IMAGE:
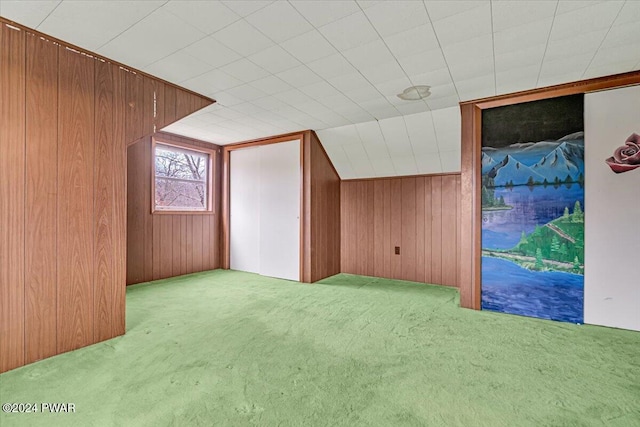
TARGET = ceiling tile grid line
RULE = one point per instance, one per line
(547, 43)
(603, 39)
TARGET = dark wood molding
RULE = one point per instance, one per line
(471, 209)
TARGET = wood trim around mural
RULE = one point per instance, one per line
(471, 210)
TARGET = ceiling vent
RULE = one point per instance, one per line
(415, 93)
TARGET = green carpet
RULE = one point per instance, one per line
(225, 348)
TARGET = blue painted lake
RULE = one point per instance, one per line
(509, 288)
(532, 206)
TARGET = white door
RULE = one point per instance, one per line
(244, 210)
(265, 210)
(280, 210)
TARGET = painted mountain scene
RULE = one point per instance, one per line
(533, 212)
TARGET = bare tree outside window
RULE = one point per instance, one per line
(181, 179)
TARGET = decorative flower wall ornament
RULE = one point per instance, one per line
(627, 157)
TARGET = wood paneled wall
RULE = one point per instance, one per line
(419, 214)
(321, 233)
(163, 244)
(65, 119)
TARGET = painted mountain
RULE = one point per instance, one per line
(535, 163)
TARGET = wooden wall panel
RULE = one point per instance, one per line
(66, 117)
(418, 214)
(436, 229)
(164, 245)
(75, 205)
(41, 198)
(12, 192)
(408, 258)
(321, 219)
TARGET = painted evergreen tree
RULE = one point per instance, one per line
(578, 215)
(539, 264)
(566, 213)
(555, 246)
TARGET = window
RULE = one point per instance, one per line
(182, 179)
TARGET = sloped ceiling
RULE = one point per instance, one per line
(283, 66)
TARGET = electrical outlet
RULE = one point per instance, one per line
(397, 250)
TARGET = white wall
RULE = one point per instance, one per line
(612, 212)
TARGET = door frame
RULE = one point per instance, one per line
(226, 194)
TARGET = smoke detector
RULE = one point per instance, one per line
(415, 93)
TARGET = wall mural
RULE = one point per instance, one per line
(533, 209)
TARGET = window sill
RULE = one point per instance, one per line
(162, 212)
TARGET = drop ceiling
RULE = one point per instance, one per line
(336, 66)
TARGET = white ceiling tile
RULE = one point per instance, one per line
(211, 82)
(357, 116)
(585, 43)
(227, 99)
(442, 91)
(26, 12)
(339, 136)
(421, 133)
(292, 97)
(464, 26)
(429, 163)
(432, 78)
(349, 82)
(522, 37)
(384, 112)
(178, 67)
(396, 137)
(471, 58)
(383, 72)
(573, 66)
(271, 85)
(332, 66)
(299, 76)
(442, 9)
(94, 23)
(447, 125)
(622, 35)
(362, 94)
(508, 13)
(565, 6)
(246, 7)
(443, 102)
(516, 79)
(414, 41)
(611, 68)
(207, 16)
(366, 4)
(369, 55)
(309, 46)
(423, 62)
(405, 165)
(619, 54)
(243, 38)
(322, 12)
(393, 87)
(212, 52)
(520, 58)
(630, 13)
(274, 59)
(154, 37)
(394, 17)
(349, 32)
(247, 92)
(412, 107)
(244, 70)
(597, 17)
(476, 87)
(450, 161)
(319, 90)
(279, 21)
(359, 160)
